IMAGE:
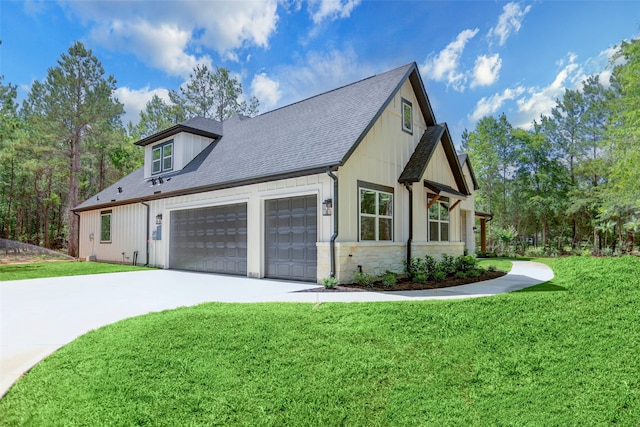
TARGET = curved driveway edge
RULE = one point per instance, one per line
(38, 316)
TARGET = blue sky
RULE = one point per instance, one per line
(476, 57)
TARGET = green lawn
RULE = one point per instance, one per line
(560, 355)
(38, 270)
(499, 263)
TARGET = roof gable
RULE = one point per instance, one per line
(419, 161)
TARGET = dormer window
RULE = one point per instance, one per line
(162, 158)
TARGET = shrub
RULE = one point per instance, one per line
(492, 268)
(329, 282)
(440, 275)
(448, 264)
(466, 263)
(415, 267)
(419, 278)
(364, 279)
(474, 273)
(430, 266)
(461, 275)
(389, 279)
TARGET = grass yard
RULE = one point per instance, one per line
(560, 355)
(499, 263)
(36, 270)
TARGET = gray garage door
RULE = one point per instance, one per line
(212, 239)
(291, 235)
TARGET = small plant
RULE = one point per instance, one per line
(430, 266)
(466, 263)
(448, 264)
(492, 268)
(389, 279)
(461, 275)
(329, 282)
(363, 279)
(419, 278)
(414, 267)
(440, 275)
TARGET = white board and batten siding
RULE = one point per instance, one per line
(129, 221)
(380, 159)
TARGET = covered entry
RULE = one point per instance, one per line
(291, 227)
(211, 239)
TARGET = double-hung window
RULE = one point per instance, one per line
(376, 213)
(439, 219)
(105, 226)
(162, 158)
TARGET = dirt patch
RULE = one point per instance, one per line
(407, 285)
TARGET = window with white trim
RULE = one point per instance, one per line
(105, 226)
(376, 214)
(438, 219)
(162, 158)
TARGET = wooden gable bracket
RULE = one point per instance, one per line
(435, 199)
(454, 205)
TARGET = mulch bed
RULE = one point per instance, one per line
(406, 285)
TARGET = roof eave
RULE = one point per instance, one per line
(174, 130)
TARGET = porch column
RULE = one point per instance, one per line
(483, 235)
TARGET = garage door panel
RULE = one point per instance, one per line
(290, 238)
(212, 239)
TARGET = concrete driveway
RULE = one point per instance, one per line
(39, 316)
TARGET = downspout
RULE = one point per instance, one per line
(409, 240)
(332, 245)
(148, 223)
(78, 236)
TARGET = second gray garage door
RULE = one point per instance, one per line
(211, 239)
(291, 235)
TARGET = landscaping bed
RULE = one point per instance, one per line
(405, 284)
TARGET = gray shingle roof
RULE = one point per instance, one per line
(419, 160)
(300, 139)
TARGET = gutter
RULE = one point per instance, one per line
(332, 246)
(410, 239)
(148, 223)
(78, 236)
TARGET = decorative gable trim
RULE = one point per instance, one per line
(417, 164)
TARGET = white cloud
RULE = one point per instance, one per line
(444, 65)
(172, 33)
(266, 90)
(161, 46)
(510, 21)
(486, 70)
(331, 9)
(321, 71)
(489, 105)
(135, 100)
(540, 101)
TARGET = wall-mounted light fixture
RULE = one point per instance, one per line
(327, 207)
(159, 219)
(153, 182)
(475, 229)
(160, 180)
(119, 190)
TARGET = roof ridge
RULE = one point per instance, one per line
(337, 89)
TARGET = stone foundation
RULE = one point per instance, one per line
(375, 258)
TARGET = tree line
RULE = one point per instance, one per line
(571, 182)
(66, 140)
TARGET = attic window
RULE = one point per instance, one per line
(162, 158)
(407, 116)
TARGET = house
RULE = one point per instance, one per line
(359, 178)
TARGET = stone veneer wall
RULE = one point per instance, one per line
(376, 257)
